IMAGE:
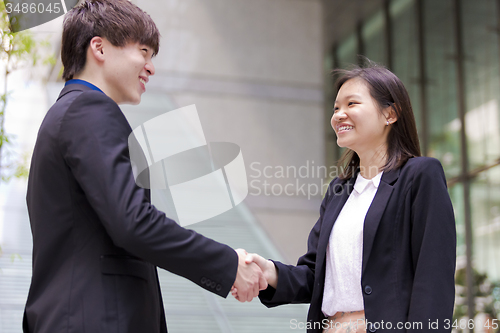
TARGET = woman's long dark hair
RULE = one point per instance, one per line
(387, 90)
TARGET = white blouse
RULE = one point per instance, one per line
(344, 253)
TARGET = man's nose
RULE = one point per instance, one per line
(150, 68)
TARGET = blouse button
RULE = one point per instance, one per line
(368, 290)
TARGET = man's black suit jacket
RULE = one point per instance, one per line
(96, 237)
(409, 254)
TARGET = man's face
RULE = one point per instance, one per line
(126, 71)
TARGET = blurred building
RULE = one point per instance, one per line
(259, 74)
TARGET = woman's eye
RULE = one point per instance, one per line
(335, 109)
(351, 103)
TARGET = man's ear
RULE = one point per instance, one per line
(96, 48)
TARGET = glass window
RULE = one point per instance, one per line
(374, 38)
(485, 203)
(347, 51)
(457, 198)
(482, 120)
(444, 125)
(405, 50)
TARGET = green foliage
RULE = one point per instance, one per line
(486, 295)
(17, 50)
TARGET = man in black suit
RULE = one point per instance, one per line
(96, 237)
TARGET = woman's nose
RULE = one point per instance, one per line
(339, 115)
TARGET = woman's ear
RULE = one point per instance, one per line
(390, 113)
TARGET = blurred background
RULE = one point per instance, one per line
(259, 74)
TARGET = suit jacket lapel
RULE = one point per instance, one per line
(340, 193)
(376, 210)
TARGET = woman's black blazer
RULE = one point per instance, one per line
(409, 254)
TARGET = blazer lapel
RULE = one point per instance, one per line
(377, 208)
(340, 193)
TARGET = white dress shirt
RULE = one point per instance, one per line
(344, 253)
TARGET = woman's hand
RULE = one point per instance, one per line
(267, 266)
(268, 269)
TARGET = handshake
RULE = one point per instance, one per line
(254, 274)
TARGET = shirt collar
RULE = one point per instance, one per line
(362, 183)
(85, 83)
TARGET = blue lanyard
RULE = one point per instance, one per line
(85, 83)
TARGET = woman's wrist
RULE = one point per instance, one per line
(272, 274)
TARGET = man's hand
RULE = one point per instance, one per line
(249, 279)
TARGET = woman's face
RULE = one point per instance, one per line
(357, 120)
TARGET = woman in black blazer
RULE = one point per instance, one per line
(404, 273)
